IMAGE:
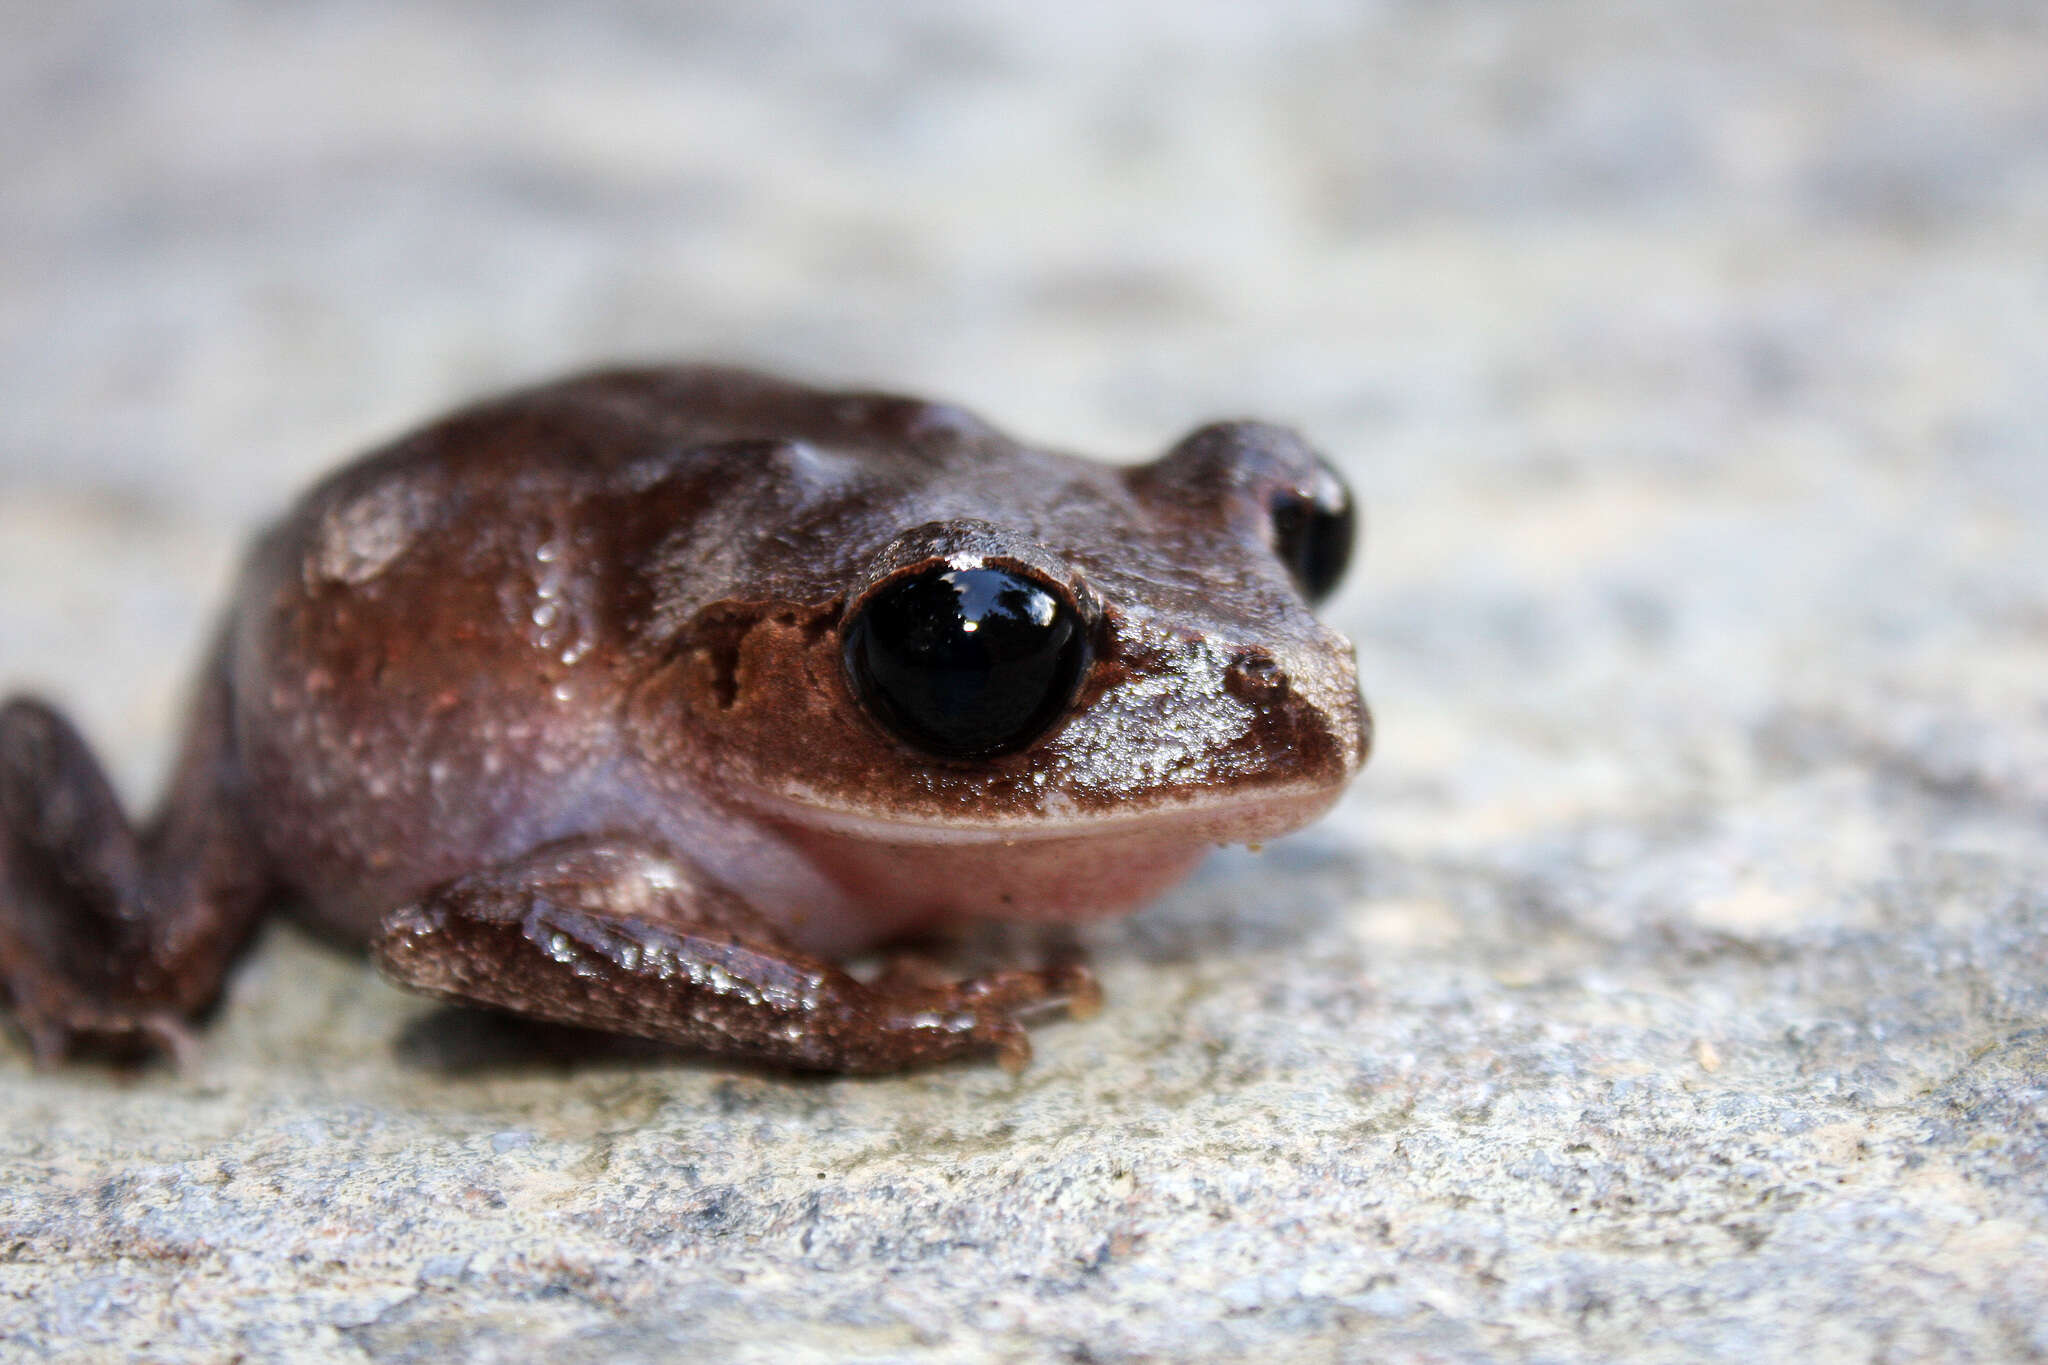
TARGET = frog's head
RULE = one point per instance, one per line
(1007, 681)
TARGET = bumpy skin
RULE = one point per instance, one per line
(545, 703)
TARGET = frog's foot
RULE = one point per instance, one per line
(999, 1001)
(80, 951)
(614, 936)
(1068, 984)
(59, 1019)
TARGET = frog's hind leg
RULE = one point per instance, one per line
(106, 932)
(608, 934)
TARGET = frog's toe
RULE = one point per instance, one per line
(1011, 1044)
(60, 1020)
(1069, 985)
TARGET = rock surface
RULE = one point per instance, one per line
(1674, 986)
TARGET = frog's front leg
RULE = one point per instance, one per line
(612, 935)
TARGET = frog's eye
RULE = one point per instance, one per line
(965, 663)
(1313, 527)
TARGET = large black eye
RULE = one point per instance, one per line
(965, 662)
(1313, 527)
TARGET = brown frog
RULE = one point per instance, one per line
(638, 700)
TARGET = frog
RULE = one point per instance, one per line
(646, 700)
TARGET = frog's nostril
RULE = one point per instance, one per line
(1304, 721)
(1253, 675)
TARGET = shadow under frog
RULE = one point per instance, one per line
(636, 701)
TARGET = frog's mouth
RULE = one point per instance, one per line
(1205, 817)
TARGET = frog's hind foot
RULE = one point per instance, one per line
(72, 911)
(60, 1019)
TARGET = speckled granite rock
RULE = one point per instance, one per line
(1675, 986)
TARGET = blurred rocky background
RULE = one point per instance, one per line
(1674, 986)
